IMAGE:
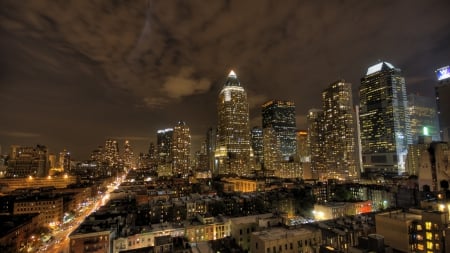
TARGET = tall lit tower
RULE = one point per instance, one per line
(111, 152)
(280, 116)
(258, 144)
(164, 145)
(316, 142)
(339, 130)
(443, 101)
(233, 150)
(181, 149)
(128, 155)
(384, 121)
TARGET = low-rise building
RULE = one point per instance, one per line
(278, 239)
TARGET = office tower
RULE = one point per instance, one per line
(280, 116)
(201, 163)
(111, 152)
(384, 120)
(443, 101)
(64, 160)
(316, 142)
(339, 131)
(128, 156)
(271, 150)
(28, 161)
(302, 146)
(181, 149)
(164, 145)
(233, 150)
(258, 144)
(423, 117)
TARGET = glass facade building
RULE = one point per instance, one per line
(384, 121)
(280, 116)
(423, 117)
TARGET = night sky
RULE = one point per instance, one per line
(74, 73)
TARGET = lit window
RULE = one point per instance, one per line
(429, 245)
(428, 225)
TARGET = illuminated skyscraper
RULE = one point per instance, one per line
(258, 144)
(384, 121)
(233, 151)
(111, 152)
(272, 154)
(443, 102)
(339, 130)
(128, 156)
(423, 117)
(302, 146)
(181, 149)
(164, 145)
(280, 116)
(316, 142)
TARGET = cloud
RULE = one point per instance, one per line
(19, 134)
(185, 84)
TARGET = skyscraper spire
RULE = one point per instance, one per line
(232, 79)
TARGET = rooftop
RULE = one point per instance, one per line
(378, 67)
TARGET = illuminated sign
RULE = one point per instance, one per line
(425, 131)
(443, 73)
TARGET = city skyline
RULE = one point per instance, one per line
(77, 74)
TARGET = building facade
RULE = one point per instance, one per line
(164, 145)
(339, 131)
(258, 144)
(28, 161)
(181, 149)
(280, 116)
(384, 121)
(443, 101)
(233, 152)
(316, 142)
(423, 117)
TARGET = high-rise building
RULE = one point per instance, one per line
(316, 142)
(272, 153)
(423, 117)
(384, 121)
(339, 130)
(111, 152)
(64, 160)
(302, 146)
(211, 137)
(164, 145)
(443, 102)
(280, 116)
(258, 144)
(181, 149)
(201, 162)
(233, 150)
(128, 156)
